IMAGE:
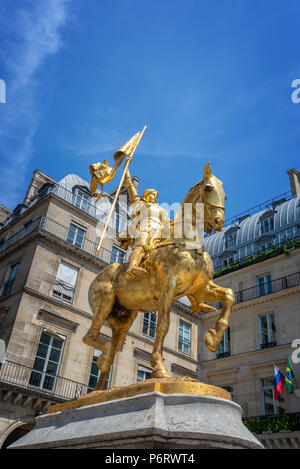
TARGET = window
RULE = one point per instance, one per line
(76, 235)
(117, 255)
(149, 326)
(227, 261)
(95, 372)
(7, 286)
(121, 223)
(230, 240)
(269, 405)
(266, 246)
(224, 348)
(81, 201)
(143, 373)
(47, 361)
(65, 282)
(267, 224)
(27, 228)
(267, 330)
(264, 285)
(184, 338)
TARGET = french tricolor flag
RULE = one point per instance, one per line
(279, 381)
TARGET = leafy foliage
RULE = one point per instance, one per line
(262, 256)
(273, 424)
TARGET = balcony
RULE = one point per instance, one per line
(284, 247)
(64, 194)
(25, 378)
(223, 354)
(268, 288)
(60, 232)
(268, 345)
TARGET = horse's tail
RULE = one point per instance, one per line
(91, 289)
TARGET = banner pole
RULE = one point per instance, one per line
(128, 160)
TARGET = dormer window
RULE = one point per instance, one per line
(266, 221)
(267, 225)
(231, 237)
(81, 200)
(230, 240)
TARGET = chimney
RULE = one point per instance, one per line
(135, 181)
(294, 181)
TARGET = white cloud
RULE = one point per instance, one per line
(30, 34)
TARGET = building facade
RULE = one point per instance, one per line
(258, 255)
(47, 263)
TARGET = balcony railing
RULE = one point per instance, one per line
(24, 376)
(62, 193)
(61, 232)
(268, 344)
(258, 256)
(251, 211)
(267, 288)
(223, 354)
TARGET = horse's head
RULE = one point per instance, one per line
(213, 197)
(210, 192)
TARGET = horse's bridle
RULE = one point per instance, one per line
(214, 206)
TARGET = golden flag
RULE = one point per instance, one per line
(102, 173)
(129, 147)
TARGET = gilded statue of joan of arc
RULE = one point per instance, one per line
(148, 222)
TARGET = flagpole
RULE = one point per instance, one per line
(128, 159)
(293, 376)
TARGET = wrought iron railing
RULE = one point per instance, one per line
(257, 256)
(62, 193)
(24, 376)
(251, 211)
(223, 354)
(268, 344)
(61, 232)
(267, 288)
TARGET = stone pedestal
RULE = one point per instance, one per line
(149, 420)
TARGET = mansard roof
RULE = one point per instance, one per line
(286, 215)
(72, 181)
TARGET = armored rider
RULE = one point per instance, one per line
(149, 222)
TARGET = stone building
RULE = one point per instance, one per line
(258, 255)
(47, 262)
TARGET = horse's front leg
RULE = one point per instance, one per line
(163, 323)
(214, 293)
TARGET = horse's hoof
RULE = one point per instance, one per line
(210, 340)
(160, 373)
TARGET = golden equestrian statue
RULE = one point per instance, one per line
(160, 273)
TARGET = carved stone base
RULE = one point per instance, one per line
(155, 419)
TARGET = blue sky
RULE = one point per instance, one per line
(210, 79)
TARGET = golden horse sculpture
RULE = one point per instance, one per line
(173, 270)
